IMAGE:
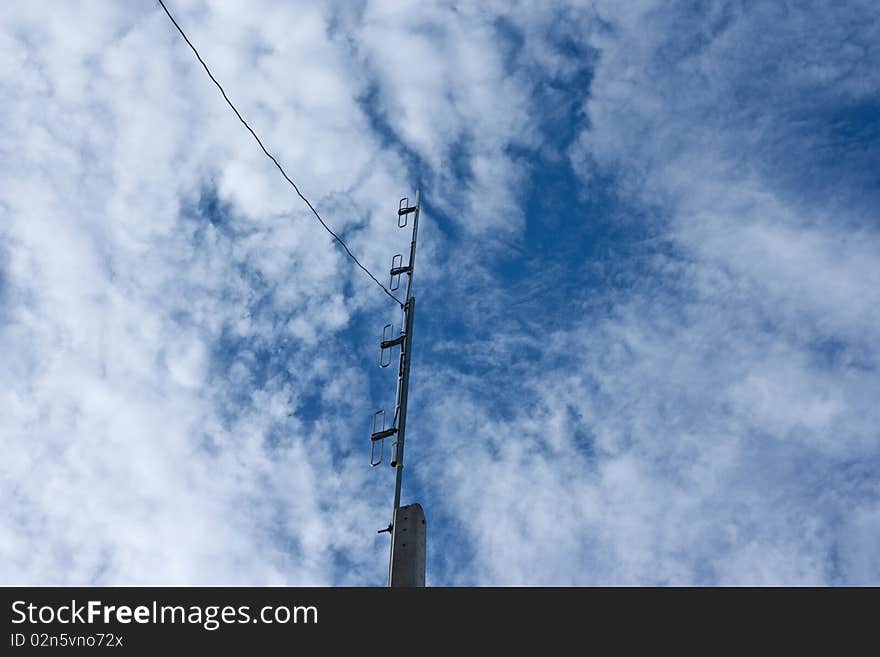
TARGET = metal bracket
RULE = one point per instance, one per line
(387, 332)
(379, 431)
(387, 343)
(403, 209)
(397, 268)
(377, 436)
(382, 435)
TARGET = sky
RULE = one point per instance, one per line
(647, 341)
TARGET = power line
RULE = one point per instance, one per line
(272, 157)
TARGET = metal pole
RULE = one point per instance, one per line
(409, 308)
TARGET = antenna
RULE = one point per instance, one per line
(406, 564)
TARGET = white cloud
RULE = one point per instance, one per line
(145, 440)
(721, 418)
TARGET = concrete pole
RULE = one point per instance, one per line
(408, 554)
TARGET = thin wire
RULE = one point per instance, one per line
(272, 157)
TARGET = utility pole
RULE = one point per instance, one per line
(406, 563)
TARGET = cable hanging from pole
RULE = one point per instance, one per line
(272, 157)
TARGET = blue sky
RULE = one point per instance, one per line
(647, 333)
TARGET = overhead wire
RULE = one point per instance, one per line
(272, 157)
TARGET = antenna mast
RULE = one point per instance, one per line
(406, 563)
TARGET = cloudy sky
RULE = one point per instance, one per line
(648, 334)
